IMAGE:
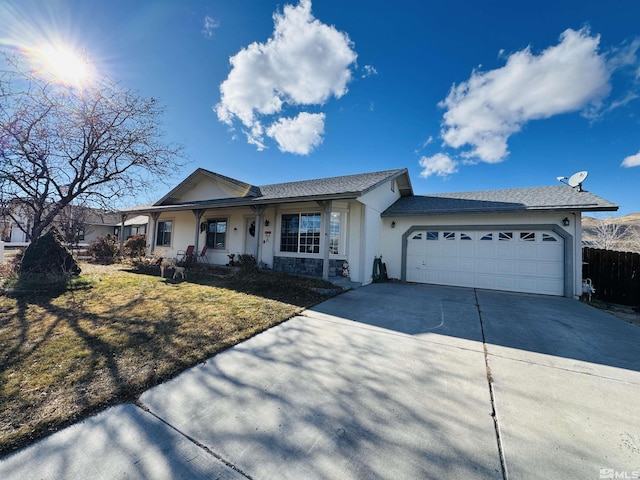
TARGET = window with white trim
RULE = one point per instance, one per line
(217, 233)
(300, 232)
(163, 238)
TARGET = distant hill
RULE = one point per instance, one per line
(625, 238)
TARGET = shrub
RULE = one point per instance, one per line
(12, 264)
(48, 255)
(136, 246)
(103, 249)
(247, 263)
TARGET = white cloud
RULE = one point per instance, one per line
(209, 24)
(369, 70)
(305, 62)
(439, 164)
(428, 141)
(631, 96)
(631, 161)
(299, 135)
(484, 111)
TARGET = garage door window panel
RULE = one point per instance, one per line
(528, 236)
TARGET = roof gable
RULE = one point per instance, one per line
(203, 185)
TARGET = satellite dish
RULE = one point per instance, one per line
(576, 179)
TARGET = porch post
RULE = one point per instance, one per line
(151, 235)
(327, 237)
(259, 210)
(123, 218)
(198, 214)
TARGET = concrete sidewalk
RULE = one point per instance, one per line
(386, 381)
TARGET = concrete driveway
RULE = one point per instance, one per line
(386, 381)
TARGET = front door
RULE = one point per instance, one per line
(250, 236)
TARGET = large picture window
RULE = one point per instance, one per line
(163, 239)
(300, 232)
(217, 233)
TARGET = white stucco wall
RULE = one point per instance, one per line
(94, 231)
(382, 197)
(362, 236)
(371, 242)
(392, 237)
(355, 247)
(373, 204)
(184, 233)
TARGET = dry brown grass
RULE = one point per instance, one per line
(64, 356)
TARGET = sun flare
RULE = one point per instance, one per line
(63, 64)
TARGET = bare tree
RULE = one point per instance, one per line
(73, 222)
(632, 236)
(97, 144)
(609, 234)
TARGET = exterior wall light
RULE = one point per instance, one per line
(565, 221)
(266, 223)
(393, 224)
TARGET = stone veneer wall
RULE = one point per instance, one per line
(306, 266)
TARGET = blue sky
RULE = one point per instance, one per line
(467, 95)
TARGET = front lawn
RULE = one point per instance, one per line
(116, 333)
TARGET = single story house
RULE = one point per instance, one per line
(77, 224)
(521, 239)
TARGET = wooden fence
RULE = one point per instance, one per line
(615, 275)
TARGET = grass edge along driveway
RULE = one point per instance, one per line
(64, 356)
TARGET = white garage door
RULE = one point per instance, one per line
(513, 260)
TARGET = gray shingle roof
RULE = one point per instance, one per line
(346, 186)
(357, 184)
(560, 197)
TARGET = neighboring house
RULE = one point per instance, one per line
(523, 240)
(77, 224)
(132, 226)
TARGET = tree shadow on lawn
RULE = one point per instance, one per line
(60, 362)
(63, 360)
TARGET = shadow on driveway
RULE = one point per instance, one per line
(547, 325)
